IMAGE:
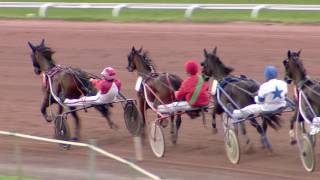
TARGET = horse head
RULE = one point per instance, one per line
(41, 57)
(139, 60)
(213, 66)
(294, 69)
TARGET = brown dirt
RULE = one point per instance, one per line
(92, 46)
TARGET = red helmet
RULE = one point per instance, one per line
(191, 67)
(108, 73)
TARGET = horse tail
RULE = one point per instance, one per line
(273, 121)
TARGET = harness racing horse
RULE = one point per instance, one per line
(295, 71)
(62, 82)
(242, 91)
(162, 84)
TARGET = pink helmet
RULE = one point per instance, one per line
(108, 73)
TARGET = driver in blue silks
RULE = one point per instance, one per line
(271, 96)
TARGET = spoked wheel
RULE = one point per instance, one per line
(156, 140)
(62, 131)
(306, 145)
(307, 154)
(231, 142)
(132, 118)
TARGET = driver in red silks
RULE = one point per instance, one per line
(192, 93)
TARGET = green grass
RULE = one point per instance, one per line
(182, 1)
(14, 178)
(199, 16)
(163, 16)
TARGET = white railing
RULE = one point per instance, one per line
(188, 8)
(92, 147)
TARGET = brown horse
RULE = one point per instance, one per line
(241, 89)
(62, 82)
(295, 71)
(163, 84)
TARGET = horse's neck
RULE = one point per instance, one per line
(220, 75)
(145, 70)
(46, 65)
(299, 79)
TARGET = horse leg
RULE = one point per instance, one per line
(213, 123)
(174, 129)
(106, 114)
(262, 131)
(44, 106)
(293, 140)
(77, 124)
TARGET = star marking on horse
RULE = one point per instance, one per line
(277, 93)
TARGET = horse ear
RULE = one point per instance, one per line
(205, 52)
(215, 50)
(298, 53)
(133, 49)
(140, 50)
(33, 48)
(42, 43)
(289, 53)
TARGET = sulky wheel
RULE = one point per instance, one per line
(307, 154)
(231, 142)
(62, 131)
(156, 139)
(133, 119)
(232, 147)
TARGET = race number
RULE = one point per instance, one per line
(138, 83)
(214, 87)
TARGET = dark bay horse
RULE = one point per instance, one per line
(241, 89)
(66, 82)
(295, 71)
(163, 84)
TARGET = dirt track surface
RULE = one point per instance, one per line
(92, 46)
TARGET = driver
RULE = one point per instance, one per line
(192, 93)
(271, 96)
(108, 89)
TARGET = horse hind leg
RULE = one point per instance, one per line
(77, 125)
(263, 135)
(214, 123)
(106, 114)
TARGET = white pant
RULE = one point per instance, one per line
(97, 99)
(255, 109)
(174, 107)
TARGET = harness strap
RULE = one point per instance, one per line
(197, 91)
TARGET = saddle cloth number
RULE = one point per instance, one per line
(138, 83)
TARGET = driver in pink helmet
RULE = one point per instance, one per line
(108, 89)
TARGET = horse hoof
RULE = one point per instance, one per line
(114, 126)
(293, 142)
(214, 131)
(49, 119)
(248, 148)
(75, 139)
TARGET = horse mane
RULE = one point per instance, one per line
(46, 52)
(225, 70)
(147, 60)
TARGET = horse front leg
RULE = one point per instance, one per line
(106, 114)
(77, 124)
(292, 135)
(44, 106)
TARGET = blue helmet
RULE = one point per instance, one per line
(270, 72)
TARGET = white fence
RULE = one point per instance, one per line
(188, 8)
(92, 147)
